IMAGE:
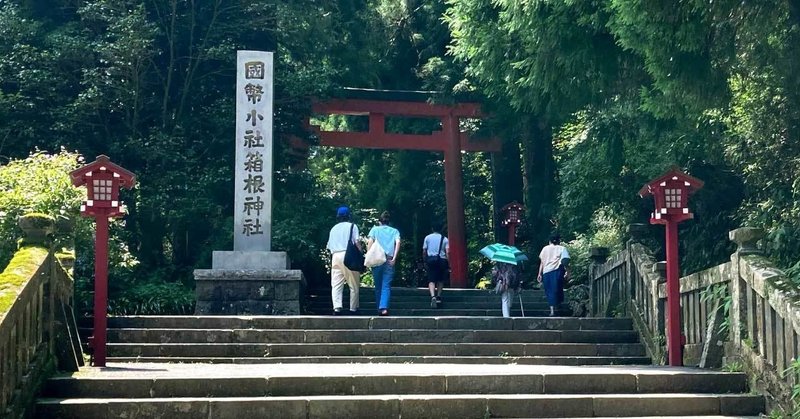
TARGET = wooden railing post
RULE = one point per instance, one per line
(29, 326)
(598, 256)
(746, 240)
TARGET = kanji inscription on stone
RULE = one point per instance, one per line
(253, 194)
(255, 69)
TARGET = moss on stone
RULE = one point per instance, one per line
(39, 220)
(22, 267)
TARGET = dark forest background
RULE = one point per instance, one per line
(591, 98)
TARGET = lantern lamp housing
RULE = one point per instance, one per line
(512, 214)
(671, 192)
(103, 180)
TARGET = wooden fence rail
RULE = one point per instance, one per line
(37, 328)
(743, 312)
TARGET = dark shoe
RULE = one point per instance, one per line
(434, 302)
(354, 312)
(439, 299)
(384, 313)
(337, 312)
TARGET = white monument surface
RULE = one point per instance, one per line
(252, 226)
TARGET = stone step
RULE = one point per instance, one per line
(497, 312)
(364, 322)
(403, 291)
(486, 297)
(406, 360)
(406, 406)
(142, 335)
(436, 383)
(682, 416)
(370, 349)
(539, 306)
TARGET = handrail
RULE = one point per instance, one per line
(744, 310)
(765, 320)
(37, 327)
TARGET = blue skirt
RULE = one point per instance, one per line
(553, 287)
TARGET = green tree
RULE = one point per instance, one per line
(39, 183)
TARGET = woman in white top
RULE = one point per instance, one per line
(389, 239)
(550, 274)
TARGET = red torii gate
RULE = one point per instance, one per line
(377, 105)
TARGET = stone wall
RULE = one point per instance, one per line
(38, 333)
(755, 301)
(237, 291)
(765, 321)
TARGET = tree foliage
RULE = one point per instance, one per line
(39, 183)
(590, 98)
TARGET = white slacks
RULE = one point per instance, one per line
(339, 276)
(507, 297)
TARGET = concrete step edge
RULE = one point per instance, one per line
(376, 344)
(418, 406)
(421, 397)
(576, 360)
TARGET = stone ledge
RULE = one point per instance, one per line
(257, 260)
(248, 275)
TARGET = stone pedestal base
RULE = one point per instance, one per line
(249, 291)
(253, 260)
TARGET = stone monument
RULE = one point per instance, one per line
(251, 279)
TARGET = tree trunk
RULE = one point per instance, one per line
(506, 180)
(539, 181)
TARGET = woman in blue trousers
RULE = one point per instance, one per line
(389, 239)
(550, 271)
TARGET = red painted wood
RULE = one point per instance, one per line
(386, 141)
(100, 290)
(385, 107)
(674, 343)
(434, 142)
(451, 141)
(454, 192)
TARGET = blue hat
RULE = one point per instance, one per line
(343, 212)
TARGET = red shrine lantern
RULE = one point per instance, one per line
(512, 217)
(671, 192)
(103, 180)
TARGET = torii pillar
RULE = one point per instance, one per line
(450, 141)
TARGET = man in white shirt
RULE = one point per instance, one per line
(342, 233)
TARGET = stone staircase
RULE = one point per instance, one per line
(387, 367)
(416, 302)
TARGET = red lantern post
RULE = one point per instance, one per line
(512, 217)
(671, 194)
(103, 180)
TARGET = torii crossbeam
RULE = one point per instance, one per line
(377, 105)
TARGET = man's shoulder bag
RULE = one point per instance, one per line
(437, 261)
(353, 258)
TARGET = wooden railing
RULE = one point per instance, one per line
(37, 328)
(744, 312)
(765, 320)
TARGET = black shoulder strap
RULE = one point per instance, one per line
(350, 237)
(441, 243)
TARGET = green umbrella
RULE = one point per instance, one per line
(503, 253)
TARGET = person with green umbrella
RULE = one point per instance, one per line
(506, 280)
(505, 274)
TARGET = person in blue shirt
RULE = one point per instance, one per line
(435, 253)
(389, 239)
